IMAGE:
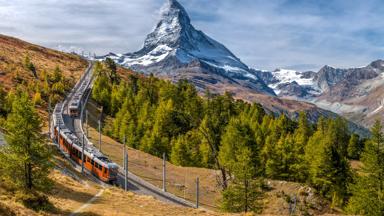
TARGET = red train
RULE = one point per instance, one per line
(94, 161)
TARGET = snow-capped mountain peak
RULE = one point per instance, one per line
(175, 44)
(173, 25)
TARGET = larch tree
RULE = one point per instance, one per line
(239, 156)
(3, 96)
(186, 150)
(354, 147)
(25, 160)
(218, 111)
(301, 137)
(367, 192)
(328, 165)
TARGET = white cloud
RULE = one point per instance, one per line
(263, 33)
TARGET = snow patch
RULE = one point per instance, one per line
(233, 69)
(288, 76)
(381, 106)
(154, 56)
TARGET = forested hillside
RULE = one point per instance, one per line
(240, 139)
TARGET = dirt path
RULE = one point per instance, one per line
(93, 199)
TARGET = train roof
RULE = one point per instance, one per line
(89, 149)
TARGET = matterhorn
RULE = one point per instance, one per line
(176, 50)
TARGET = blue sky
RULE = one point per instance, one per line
(265, 34)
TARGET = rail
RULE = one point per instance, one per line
(132, 177)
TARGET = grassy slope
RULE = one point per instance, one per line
(13, 52)
(70, 193)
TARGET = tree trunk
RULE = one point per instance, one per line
(26, 175)
(246, 195)
(29, 176)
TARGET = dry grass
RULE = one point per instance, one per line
(69, 194)
(114, 202)
(356, 165)
(13, 52)
(13, 72)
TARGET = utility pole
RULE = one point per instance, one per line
(101, 113)
(197, 192)
(164, 174)
(58, 135)
(125, 166)
(86, 121)
(49, 118)
(82, 156)
(99, 134)
(246, 195)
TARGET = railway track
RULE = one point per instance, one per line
(74, 124)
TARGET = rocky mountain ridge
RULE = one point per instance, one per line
(355, 92)
(175, 49)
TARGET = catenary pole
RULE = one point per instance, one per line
(82, 155)
(49, 118)
(86, 121)
(58, 135)
(197, 191)
(100, 135)
(126, 166)
(164, 174)
(101, 114)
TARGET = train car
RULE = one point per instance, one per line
(74, 108)
(94, 161)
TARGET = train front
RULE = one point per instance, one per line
(113, 171)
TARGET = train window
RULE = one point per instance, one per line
(88, 160)
(92, 162)
(99, 167)
(105, 170)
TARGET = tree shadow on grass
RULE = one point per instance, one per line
(87, 214)
(64, 192)
(5, 211)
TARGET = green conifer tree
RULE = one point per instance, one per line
(244, 191)
(367, 192)
(354, 147)
(25, 160)
(326, 155)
